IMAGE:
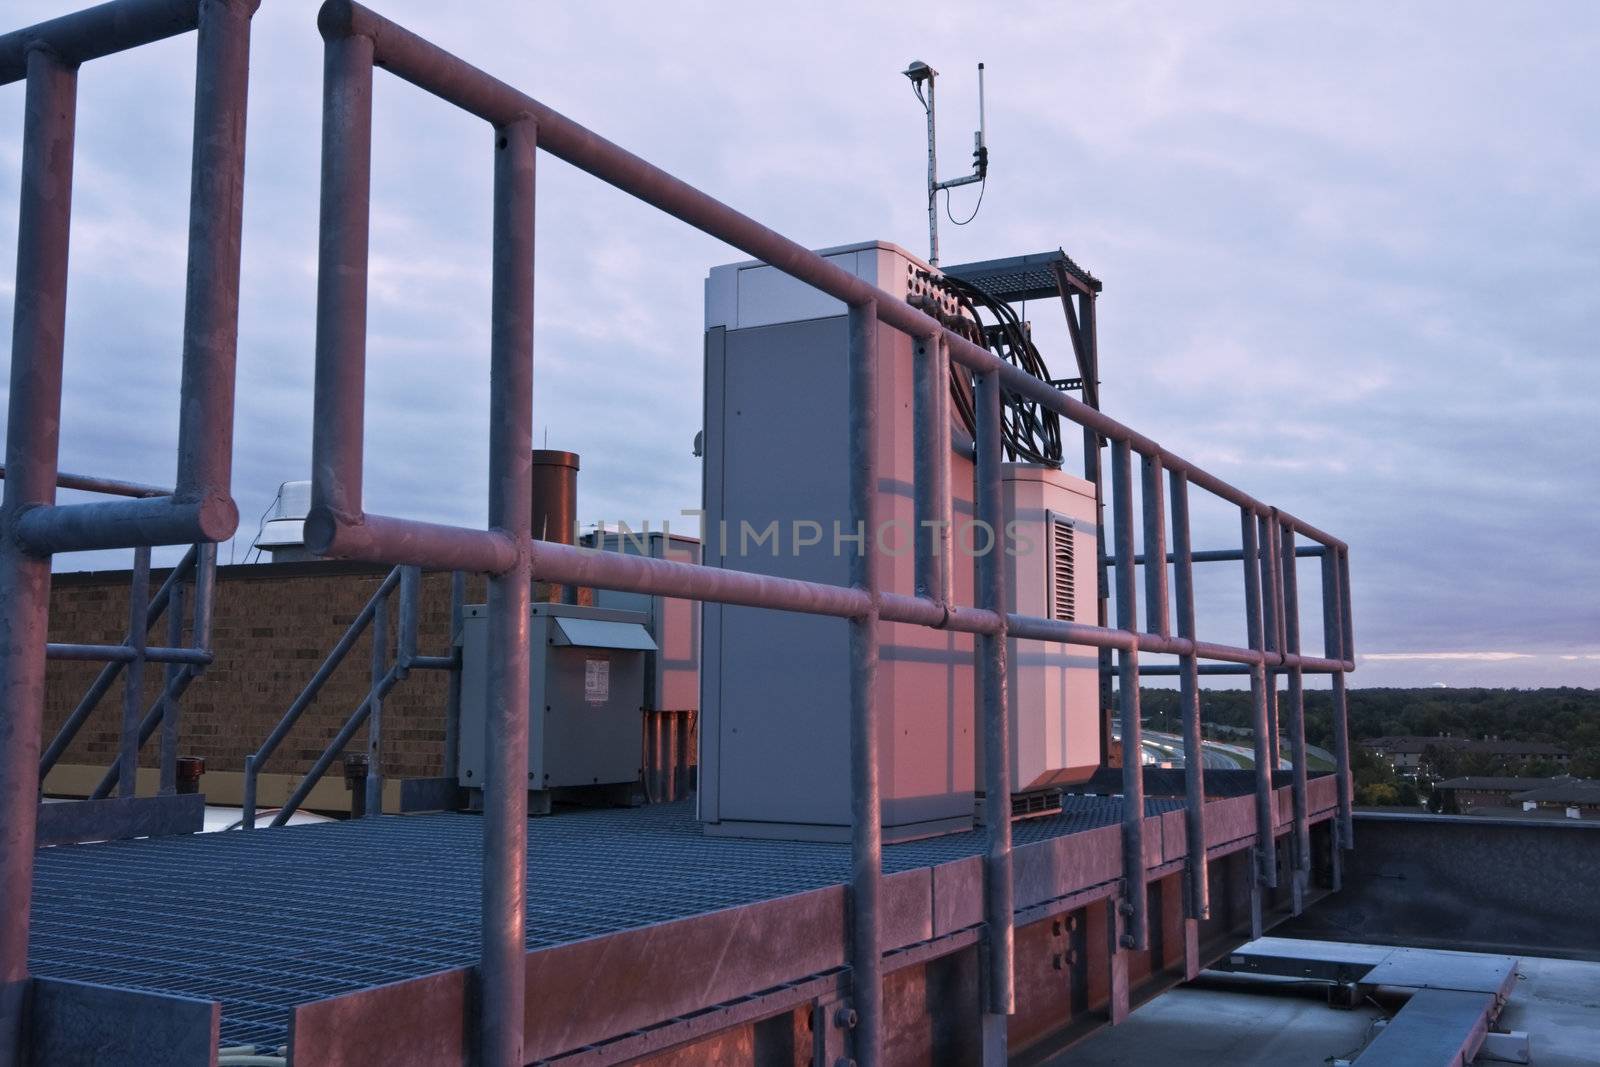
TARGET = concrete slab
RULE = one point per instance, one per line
(1436, 1028)
(1555, 1001)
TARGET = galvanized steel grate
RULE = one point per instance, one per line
(268, 919)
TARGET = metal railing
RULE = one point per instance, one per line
(201, 509)
(183, 663)
(32, 525)
(374, 616)
(357, 40)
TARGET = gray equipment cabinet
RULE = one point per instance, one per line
(586, 684)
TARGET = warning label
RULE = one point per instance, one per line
(597, 680)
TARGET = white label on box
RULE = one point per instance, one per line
(597, 680)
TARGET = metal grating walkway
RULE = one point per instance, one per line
(268, 919)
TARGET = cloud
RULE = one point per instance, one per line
(1481, 657)
(1302, 291)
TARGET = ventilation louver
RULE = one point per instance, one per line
(1063, 584)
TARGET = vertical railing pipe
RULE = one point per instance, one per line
(380, 667)
(1333, 648)
(1266, 847)
(999, 911)
(1133, 872)
(1297, 705)
(866, 815)
(32, 454)
(1198, 905)
(501, 969)
(452, 700)
(169, 705)
(932, 472)
(1156, 599)
(1272, 628)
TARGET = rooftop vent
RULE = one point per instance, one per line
(282, 534)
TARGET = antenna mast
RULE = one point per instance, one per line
(921, 74)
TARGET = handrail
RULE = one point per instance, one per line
(297, 707)
(385, 677)
(89, 483)
(108, 674)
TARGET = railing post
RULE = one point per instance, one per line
(1133, 873)
(1198, 904)
(501, 970)
(380, 667)
(410, 610)
(1272, 627)
(452, 700)
(1333, 647)
(1266, 846)
(205, 591)
(866, 817)
(1297, 711)
(32, 453)
(247, 803)
(932, 468)
(133, 674)
(999, 913)
(1157, 617)
(169, 703)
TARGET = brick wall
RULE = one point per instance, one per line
(273, 625)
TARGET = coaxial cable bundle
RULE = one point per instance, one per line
(1030, 432)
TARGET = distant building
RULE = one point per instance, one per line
(1462, 795)
(1576, 798)
(1409, 755)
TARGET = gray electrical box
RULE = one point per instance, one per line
(775, 707)
(672, 672)
(586, 681)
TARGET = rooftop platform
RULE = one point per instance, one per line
(266, 920)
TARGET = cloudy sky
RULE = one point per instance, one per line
(1351, 257)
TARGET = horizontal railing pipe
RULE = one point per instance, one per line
(88, 483)
(127, 653)
(120, 523)
(97, 31)
(398, 541)
(1222, 555)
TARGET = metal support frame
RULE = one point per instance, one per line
(340, 527)
(200, 509)
(32, 525)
